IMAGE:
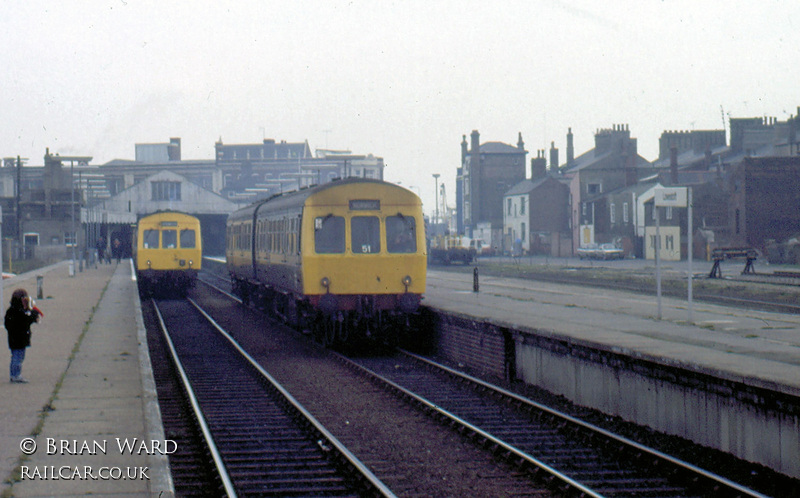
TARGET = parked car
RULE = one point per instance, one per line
(609, 251)
(588, 251)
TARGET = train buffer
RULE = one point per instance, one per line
(721, 254)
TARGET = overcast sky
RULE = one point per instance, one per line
(403, 80)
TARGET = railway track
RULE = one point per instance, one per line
(570, 455)
(256, 439)
(662, 475)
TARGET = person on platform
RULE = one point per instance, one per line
(101, 249)
(21, 314)
(117, 250)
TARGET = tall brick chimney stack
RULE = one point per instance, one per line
(570, 148)
(538, 165)
(553, 157)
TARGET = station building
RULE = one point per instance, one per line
(69, 204)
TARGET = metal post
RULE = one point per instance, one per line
(690, 229)
(658, 259)
(475, 285)
(74, 234)
(2, 299)
(436, 198)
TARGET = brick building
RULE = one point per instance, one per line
(487, 172)
(764, 204)
(612, 164)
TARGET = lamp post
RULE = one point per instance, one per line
(436, 198)
(74, 234)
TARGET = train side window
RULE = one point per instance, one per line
(365, 234)
(188, 239)
(150, 239)
(401, 234)
(169, 239)
(329, 235)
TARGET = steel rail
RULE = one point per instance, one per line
(575, 421)
(373, 480)
(212, 447)
(476, 430)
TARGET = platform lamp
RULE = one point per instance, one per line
(72, 199)
(436, 198)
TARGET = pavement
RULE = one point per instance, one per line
(87, 421)
(758, 348)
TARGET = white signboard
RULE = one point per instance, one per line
(670, 197)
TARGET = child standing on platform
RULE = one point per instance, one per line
(21, 314)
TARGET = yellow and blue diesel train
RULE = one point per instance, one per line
(167, 252)
(343, 258)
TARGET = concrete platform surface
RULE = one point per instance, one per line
(86, 420)
(757, 348)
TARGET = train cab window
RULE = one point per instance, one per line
(329, 235)
(401, 234)
(188, 239)
(169, 239)
(150, 239)
(365, 234)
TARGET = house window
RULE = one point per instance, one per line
(669, 212)
(509, 207)
(522, 232)
(625, 212)
(166, 191)
(669, 242)
(612, 216)
(31, 239)
(593, 188)
(69, 239)
(522, 205)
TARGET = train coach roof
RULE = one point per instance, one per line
(297, 198)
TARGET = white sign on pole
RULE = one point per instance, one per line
(670, 197)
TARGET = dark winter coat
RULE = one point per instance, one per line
(18, 324)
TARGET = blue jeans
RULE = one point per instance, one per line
(17, 357)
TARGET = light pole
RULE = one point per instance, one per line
(436, 198)
(74, 234)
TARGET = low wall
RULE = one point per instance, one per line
(752, 423)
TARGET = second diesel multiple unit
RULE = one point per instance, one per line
(167, 252)
(340, 258)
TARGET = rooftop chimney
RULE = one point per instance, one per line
(553, 157)
(570, 148)
(538, 165)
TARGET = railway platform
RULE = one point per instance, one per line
(757, 348)
(728, 378)
(87, 421)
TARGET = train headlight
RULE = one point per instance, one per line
(407, 281)
(149, 264)
(325, 282)
(191, 262)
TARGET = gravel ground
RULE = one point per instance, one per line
(411, 453)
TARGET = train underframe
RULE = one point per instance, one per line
(335, 319)
(166, 282)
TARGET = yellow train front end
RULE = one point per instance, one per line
(168, 252)
(363, 249)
